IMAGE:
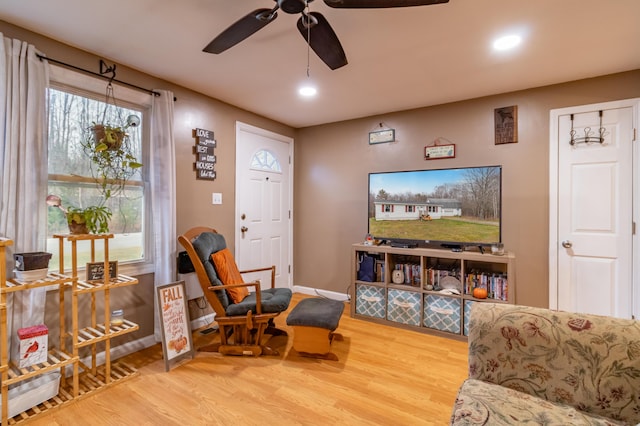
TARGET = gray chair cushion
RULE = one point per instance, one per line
(205, 245)
(272, 300)
(317, 312)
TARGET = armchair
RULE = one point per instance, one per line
(242, 316)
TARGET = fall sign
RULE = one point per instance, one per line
(174, 316)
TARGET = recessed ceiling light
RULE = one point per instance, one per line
(507, 42)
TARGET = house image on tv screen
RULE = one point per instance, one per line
(433, 208)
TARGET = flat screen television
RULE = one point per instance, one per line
(452, 208)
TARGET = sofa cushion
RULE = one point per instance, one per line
(586, 361)
(205, 245)
(272, 300)
(482, 403)
(228, 273)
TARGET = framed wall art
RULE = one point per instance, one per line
(506, 124)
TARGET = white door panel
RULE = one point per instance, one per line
(595, 213)
(263, 202)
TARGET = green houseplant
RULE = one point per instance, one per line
(93, 219)
(113, 161)
(108, 146)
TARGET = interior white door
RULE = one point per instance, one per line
(263, 203)
(594, 240)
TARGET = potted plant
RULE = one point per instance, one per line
(112, 160)
(107, 137)
(93, 219)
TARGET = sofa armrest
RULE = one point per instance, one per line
(586, 361)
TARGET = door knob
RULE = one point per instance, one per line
(244, 229)
(567, 244)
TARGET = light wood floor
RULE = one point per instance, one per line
(384, 376)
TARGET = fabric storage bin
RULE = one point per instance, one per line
(403, 307)
(467, 313)
(370, 301)
(442, 313)
(31, 392)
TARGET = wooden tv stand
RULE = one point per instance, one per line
(426, 300)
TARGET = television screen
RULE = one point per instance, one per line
(460, 206)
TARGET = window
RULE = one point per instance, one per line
(71, 112)
(410, 209)
(266, 161)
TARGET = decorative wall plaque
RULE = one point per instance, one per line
(205, 158)
(382, 136)
(436, 152)
(506, 124)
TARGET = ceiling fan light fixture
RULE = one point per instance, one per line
(507, 42)
(307, 90)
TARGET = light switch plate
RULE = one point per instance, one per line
(216, 198)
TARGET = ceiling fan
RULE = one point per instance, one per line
(312, 25)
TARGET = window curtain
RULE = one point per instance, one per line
(23, 170)
(163, 194)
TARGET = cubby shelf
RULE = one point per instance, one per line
(422, 296)
(84, 379)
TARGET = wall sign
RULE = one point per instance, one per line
(436, 152)
(95, 271)
(382, 136)
(205, 158)
(175, 324)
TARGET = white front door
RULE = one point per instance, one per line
(591, 250)
(263, 203)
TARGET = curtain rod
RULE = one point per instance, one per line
(55, 61)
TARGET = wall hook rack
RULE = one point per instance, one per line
(588, 133)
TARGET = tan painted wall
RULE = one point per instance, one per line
(193, 196)
(332, 163)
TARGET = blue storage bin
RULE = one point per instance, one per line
(442, 313)
(467, 313)
(370, 301)
(403, 307)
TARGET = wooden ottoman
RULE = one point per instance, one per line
(314, 321)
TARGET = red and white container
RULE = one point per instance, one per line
(33, 345)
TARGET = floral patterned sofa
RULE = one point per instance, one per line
(537, 366)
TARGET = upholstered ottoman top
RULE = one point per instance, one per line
(316, 312)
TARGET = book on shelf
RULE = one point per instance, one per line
(496, 284)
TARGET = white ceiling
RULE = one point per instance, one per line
(399, 58)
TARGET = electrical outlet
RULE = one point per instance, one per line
(216, 198)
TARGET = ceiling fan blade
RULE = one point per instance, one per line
(323, 40)
(374, 4)
(241, 29)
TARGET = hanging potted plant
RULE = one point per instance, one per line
(113, 161)
(107, 137)
(93, 219)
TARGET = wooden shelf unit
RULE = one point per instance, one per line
(414, 305)
(92, 377)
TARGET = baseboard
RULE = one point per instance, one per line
(322, 293)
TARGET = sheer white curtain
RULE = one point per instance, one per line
(163, 194)
(23, 168)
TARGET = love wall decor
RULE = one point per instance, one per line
(205, 158)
